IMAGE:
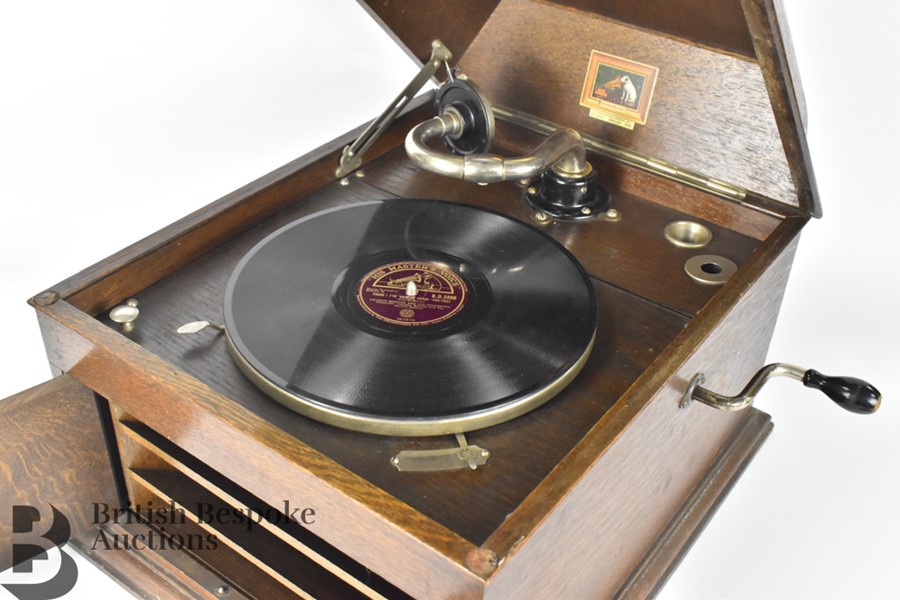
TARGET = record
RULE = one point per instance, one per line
(410, 317)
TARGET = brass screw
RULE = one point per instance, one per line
(46, 298)
(482, 561)
(345, 182)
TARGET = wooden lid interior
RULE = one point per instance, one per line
(725, 104)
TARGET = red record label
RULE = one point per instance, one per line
(412, 293)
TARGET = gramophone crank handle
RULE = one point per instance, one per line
(849, 393)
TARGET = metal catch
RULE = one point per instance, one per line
(442, 459)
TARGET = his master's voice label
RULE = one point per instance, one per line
(412, 293)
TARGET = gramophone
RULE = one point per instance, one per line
(526, 214)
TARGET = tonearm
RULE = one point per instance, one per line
(562, 184)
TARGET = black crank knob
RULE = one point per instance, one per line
(849, 393)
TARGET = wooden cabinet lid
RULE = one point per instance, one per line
(725, 103)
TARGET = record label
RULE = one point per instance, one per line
(412, 293)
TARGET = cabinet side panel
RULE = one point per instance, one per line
(600, 531)
(53, 453)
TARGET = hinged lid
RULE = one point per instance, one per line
(725, 103)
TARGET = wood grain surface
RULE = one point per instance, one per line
(715, 23)
(155, 462)
(686, 526)
(632, 253)
(701, 205)
(769, 30)
(53, 452)
(626, 499)
(251, 559)
(166, 574)
(358, 517)
(632, 331)
(710, 113)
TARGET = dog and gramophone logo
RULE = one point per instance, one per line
(43, 569)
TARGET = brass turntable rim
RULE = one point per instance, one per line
(413, 427)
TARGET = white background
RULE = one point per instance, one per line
(117, 118)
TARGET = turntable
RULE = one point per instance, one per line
(483, 390)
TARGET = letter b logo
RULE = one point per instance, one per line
(24, 519)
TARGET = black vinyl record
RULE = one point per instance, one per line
(410, 317)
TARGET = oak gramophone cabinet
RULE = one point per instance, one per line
(594, 129)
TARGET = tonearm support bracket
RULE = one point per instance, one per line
(351, 158)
